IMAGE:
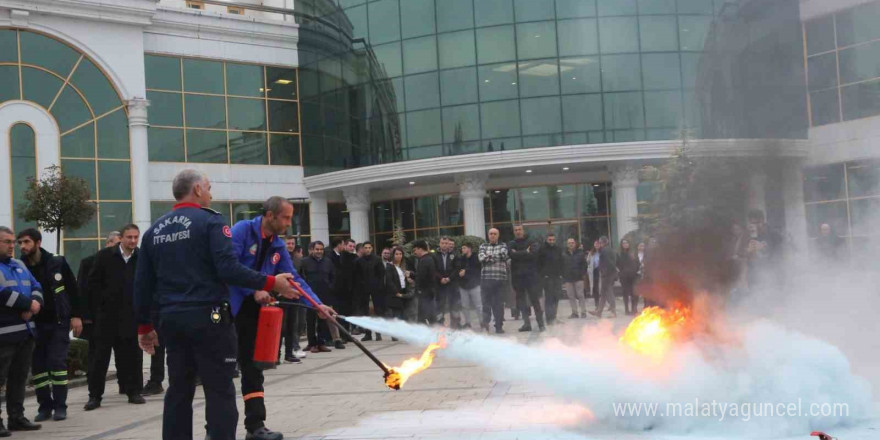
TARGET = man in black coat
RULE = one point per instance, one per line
(448, 298)
(524, 268)
(343, 259)
(319, 273)
(112, 284)
(426, 282)
(370, 284)
(550, 271)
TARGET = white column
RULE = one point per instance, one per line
(140, 160)
(624, 180)
(318, 220)
(473, 192)
(795, 210)
(757, 184)
(357, 200)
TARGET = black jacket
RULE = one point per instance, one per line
(574, 265)
(87, 302)
(449, 272)
(369, 274)
(426, 273)
(392, 282)
(320, 274)
(61, 292)
(628, 265)
(524, 265)
(608, 263)
(550, 261)
(471, 266)
(111, 282)
(344, 277)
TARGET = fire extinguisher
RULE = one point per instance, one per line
(268, 337)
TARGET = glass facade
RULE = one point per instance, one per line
(222, 112)
(91, 118)
(843, 72)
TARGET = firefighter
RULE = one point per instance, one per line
(61, 314)
(186, 262)
(257, 244)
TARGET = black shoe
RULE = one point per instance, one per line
(525, 328)
(263, 434)
(368, 337)
(60, 414)
(499, 331)
(21, 423)
(93, 403)
(292, 359)
(136, 399)
(152, 388)
(339, 344)
(42, 416)
(3, 431)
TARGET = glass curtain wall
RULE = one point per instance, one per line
(419, 217)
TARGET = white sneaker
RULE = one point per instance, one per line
(300, 354)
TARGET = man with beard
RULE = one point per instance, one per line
(370, 282)
(524, 271)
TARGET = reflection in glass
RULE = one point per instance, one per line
(284, 149)
(624, 110)
(283, 116)
(244, 80)
(457, 49)
(419, 55)
(541, 115)
(578, 37)
(499, 119)
(79, 143)
(426, 212)
(539, 77)
(621, 72)
(453, 15)
(202, 76)
(458, 86)
(461, 123)
(166, 144)
(162, 72)
(246, 114)
(498, 81)
(423, 127)
(536, 40)
(417, 18)
(206, 146)
(619, 34)
(582, 113)
(575, 8)
(165, 109)
(248, 148)
(422, 91)
(115, 180)
(205, 111)
(113, 136)
(281, 83)
(496, 44)
(661, 71)
(580, 75)
(450, 210)
(492, 12)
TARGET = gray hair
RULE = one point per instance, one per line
(274, 204)
(111, 236)
(6, 230)
(184, 182)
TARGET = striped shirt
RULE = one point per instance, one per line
(494, 259)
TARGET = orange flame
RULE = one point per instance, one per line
(655, 329)
(399, 375)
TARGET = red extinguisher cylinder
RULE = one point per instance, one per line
(268, 337)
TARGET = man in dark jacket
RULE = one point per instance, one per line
(319, 273)
(426, 282)
(467, 272)
(608, 275)
(343, 260)
(448, 297)
(524, 269)
(61, 313)
(112, 283)
(550, 271)
(370, 284)
(574, 268)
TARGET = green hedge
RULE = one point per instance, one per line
(77, 356)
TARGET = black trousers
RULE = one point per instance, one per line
(491, 292)
(290, 328)
(630, 299)
(50, 366)
(528, 296)
(317, 331)
(552, 287)
(251, 377)
(595, 289)
(15, 364)
(129, 364)
(197, 347)
(157, 363)
(427, 307)
(449, 301)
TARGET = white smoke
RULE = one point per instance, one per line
(760, 363)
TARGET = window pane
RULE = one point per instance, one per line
(162, 72)
(458, 86)
(166, 145)
(627, 135)
(621, 72)
(70, 110)
(500, 119)
(79, 143)
(822, 71)
(692, 31)
(39, 86)
(863, 178)
(114, 215)
(658, 33)
(533, 10)
(419, 55)
(423, 127)
(495, 44)
(77, 250)
(820, 34)
(244, 80)
(858, 63)
(592, 229)
(624, 110)
(825, 107)
(426, 212)
(656, 7)
(248, 148)
(541, 115)
(575, 8)
(578, 37)
(384, 21)
(96, 88)
(661, 71)
(695, 7)
(165, 109)
(202, 76)
(205, 111)
(492, 12)
(206, 146)
(417, 17)
(114, 178)
(113, 136)
(9, 85)
(457, 49)
(284, 149)
(833, 213)
(823, 183)
(281, 83)
(536, 40)
(23, 165)
(690, 64)
(616, 7)
(861, 100)
(532, 203)
(283, 116)
(358, 18)
(8, 45)
(84, 169)
(619, 34)
(854, 25)
(663, 109)
(247, 114)
(580, 75)
(383, 218)
(450, 210)
(47, 52)
(563, 202)
(582, 112)
(498, 81)
(461, 123)
(338, 220)
(422, 91)
(864, 216)
(453, 15)
(539, 77)
(388, 56)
